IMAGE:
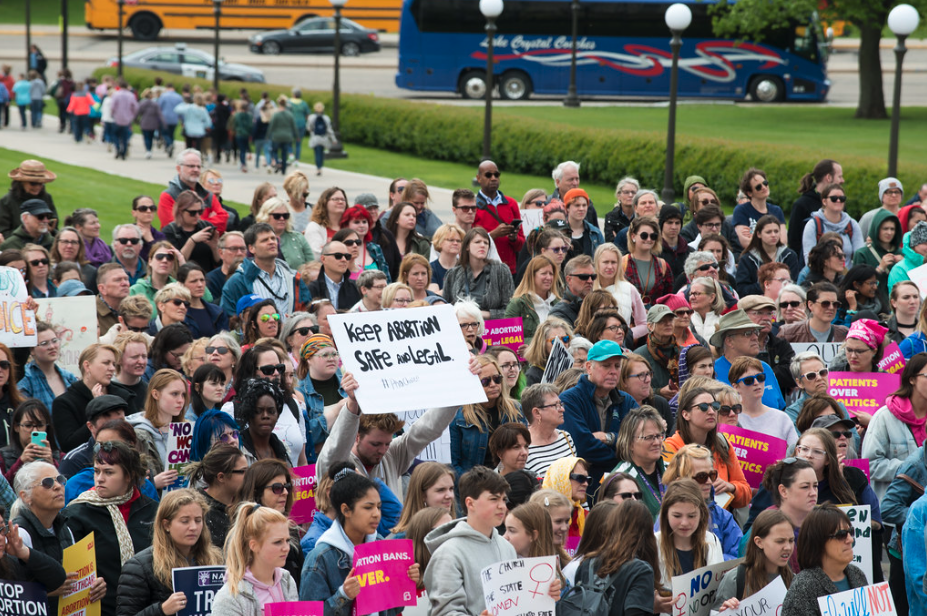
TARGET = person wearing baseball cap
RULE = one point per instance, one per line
(594, 408)
(98, 411)
(773, 350)
(33, 228)
(29, 180)
(661, 351)
(682, 330)
(738, 336)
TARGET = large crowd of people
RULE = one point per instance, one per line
(678, 319)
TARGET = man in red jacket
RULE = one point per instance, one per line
(189, 166)
(496, 213)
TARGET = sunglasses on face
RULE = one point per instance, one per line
(136, 329)
(842, 534)
(579, 478)
(350, 243)
(283, 216)
(490, 174)
(708, 202)
(761, 185)
(705, 406)
(683, 313)
(644, 236)
(194, 212)
(45, 343)
(340, 256)
(164, 256)
(496, 378)
(216, 349)
(707, 266)
(630, 495)
(795, 304)
(749, 380)
(844, 433)
(810, 376)
(225, 437)
(560, 250)
(704, 477)
(278, 488)
(180, 302)
(827, 305)
(4, 365)
(38, 262)
(465, 208)
(145, 208)
(585, 277)
(303, 331)
(128, 240)
(49, 482)
(269, 369)
(564, 339)
(726, 410)
(268, 317)
(837, 199)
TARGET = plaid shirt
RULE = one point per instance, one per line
(35, 385)
(663, 282)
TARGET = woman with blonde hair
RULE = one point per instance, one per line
(684, 541)
(181, 539)
(534, 199)
(166, 404)
(611, 278)
(538, 292)
(415, 271)
(707, 302)
(528, 528)
(560, 510)
(569, 476)
(292, 244)
(431, 485)
(296, 186)
(325, 221)
(172, 303)
(446, 242)
(396, 295)
(542, 344)
(194, 357)
(255, 552)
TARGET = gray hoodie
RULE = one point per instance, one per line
(850, 245)
(458, 554)
(151, 441)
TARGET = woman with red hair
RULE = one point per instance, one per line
(370, 256)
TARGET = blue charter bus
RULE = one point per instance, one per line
(622, 50)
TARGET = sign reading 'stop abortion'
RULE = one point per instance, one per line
(406, 359)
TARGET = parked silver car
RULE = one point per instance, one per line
(182, 60)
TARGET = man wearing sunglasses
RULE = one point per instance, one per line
(822, 305)
(127, 246)
(495, 212)
(33, 228)
(773, 350)
(580, 278)
(738, 336)
(334, 281)
(29, 181)
(189, 167)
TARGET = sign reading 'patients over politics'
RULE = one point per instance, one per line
(862, 391)
(406, 359)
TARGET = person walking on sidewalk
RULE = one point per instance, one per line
(150, 119)
(36, 98)
(80, 103)
(22, 92)
(125, 108)
(168, 102)
(63, 91)
(282, 133)
(323, 135)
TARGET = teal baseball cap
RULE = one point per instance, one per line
(604, 349)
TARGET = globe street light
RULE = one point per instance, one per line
(572, 100)
(902, 21)
(678, 17)
(491, 9)
(337, 151)
(217, 8)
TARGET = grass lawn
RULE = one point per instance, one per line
(75, 184)
(43, 12)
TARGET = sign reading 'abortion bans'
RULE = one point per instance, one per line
(406, 359)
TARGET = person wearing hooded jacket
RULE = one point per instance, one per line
(881, 251)
(832, 217)
(914, 249)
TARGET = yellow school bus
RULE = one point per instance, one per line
(146, 18)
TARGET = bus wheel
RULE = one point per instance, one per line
(515, 86)
(767, 89)
(473, 84)
(145, 27)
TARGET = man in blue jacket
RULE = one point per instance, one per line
(594, 408)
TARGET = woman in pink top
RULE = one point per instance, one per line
(79, 107)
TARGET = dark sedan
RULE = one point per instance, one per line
(317, 35)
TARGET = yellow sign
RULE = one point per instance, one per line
(80, 558)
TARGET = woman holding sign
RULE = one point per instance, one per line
(684, 541)
(541, 346)
(166, 404)
(181, 539)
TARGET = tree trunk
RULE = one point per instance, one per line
(871, 96)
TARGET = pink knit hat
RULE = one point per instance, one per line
(673, 301)
(868, 331)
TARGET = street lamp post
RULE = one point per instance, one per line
(572, 100)
(121, 4)
(64, 34)
(491, 9)
(678, 17)
(28, 34)
(337, 150)
(902, 21)
(217, 8)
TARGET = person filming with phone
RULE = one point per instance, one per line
(195, 238)
(32, 438)
(499, 215)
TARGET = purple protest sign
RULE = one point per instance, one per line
(304, 480)
(505, 332)
(862, 464)
(892, 359)
(862, 391)
(295, 608)
(755, 451)
(382, 567)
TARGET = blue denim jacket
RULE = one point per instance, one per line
(316, 426)
(469, 442)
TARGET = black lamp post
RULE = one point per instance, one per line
(902, 21)
(572, 100)
(217, 8)
(678, 17)
(121, 4)
(491, 9)
(337, 150)
(64, 34)
(28, 35)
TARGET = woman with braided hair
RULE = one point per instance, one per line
(257, 407)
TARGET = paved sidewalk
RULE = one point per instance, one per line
(47, 143)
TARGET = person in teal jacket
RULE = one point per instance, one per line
(915, 556)
(282, 133)
(914, 249)
(22, 92)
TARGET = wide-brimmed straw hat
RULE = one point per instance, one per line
(32, 171)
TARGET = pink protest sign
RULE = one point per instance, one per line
(382, 567)
(571, 545)
(892, 359)
(863, 391)
(755, 451)
(862, 464)
(304, 481)
(295, 608)
(505, 332)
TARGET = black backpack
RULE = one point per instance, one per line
(318, 127)
(590, 596)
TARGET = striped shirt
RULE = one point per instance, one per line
(540, 457)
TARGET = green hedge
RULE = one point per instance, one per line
(444, 132)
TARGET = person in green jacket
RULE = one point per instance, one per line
(282, 133)
(242, 125)
(300, 110)
(535, 296)
(883, 246)
(293, 246)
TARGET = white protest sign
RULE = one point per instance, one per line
(74, 320)
(827, 350)
(532, 219)
(918, 276)
(766, 602)
(861, 518)
(17, 325)
(406, 359)
(875, 600)
(520, 587)
(559, 361)
(179, 444)
(438, 450)
(694, 592)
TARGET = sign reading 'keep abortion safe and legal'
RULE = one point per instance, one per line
(406, 359)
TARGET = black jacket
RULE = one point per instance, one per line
(139, 592)
(217, 520)
(615, 221)
(84, 518)
(348, 295)
(385, 240)
(39, 568)
(802, 209)
(51, 544)
(778, 354)
(567, 309)
(69, 415)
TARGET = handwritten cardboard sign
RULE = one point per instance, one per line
(304, 482)
(520, 587)
(892, 359)
(200, 585)
(826, 350)
(560, 360)
(861, 463)
(862, 391)
(694, 592)
(179, 444)
(438, 450)
(755, 451)
(75, 322)
(875, 600)
(23, 598)
(295, 608)
(766, 602)
(382, 567)
(17, 324)
(80, 557)
(861, 518)
(406, 359)
(505, 332)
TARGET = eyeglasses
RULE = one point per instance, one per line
(192, 166)
(32, 426)
(704, 406)
(329, 355)
(146, 208)
(850, 351)
(69, 242)
(38, 262)
(712, 225)
(136, 329)
(128, 240)
(836, 199)
(49, 482)
(164, 256)
(872, 283)
(630, 193)
(496, 378)
(750, 333)
(644, 236)
(794, 304)
(844, 433)
(278, 488)
(563, 339)
(283, 216)
(238, 471)
(643, 376)
(216, 349)
(402, 300)
(761, 185)
(652, 438)
(894, 191)
(303, 331)
(808, 452)
(842, 534)
(490, 174)
(214, 181)
(269, 369)
(225, 437)
(584, 277)
(465, 208)
(264, 318)
(683, 313)
(579, 478)
(233, 248)
(839, 255)
(340, 256)
(629, 495)
(509, 366)
(749, 380)
(198, 212)
(305, 194)
(45, 343)
(180, 302)
(709, 202)
(707, 266)
(470, 325)
(612, 328)
(106, 446)
(704, 477)
(537, 202)
(350, 243)
(810, 376)
(555, 405)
